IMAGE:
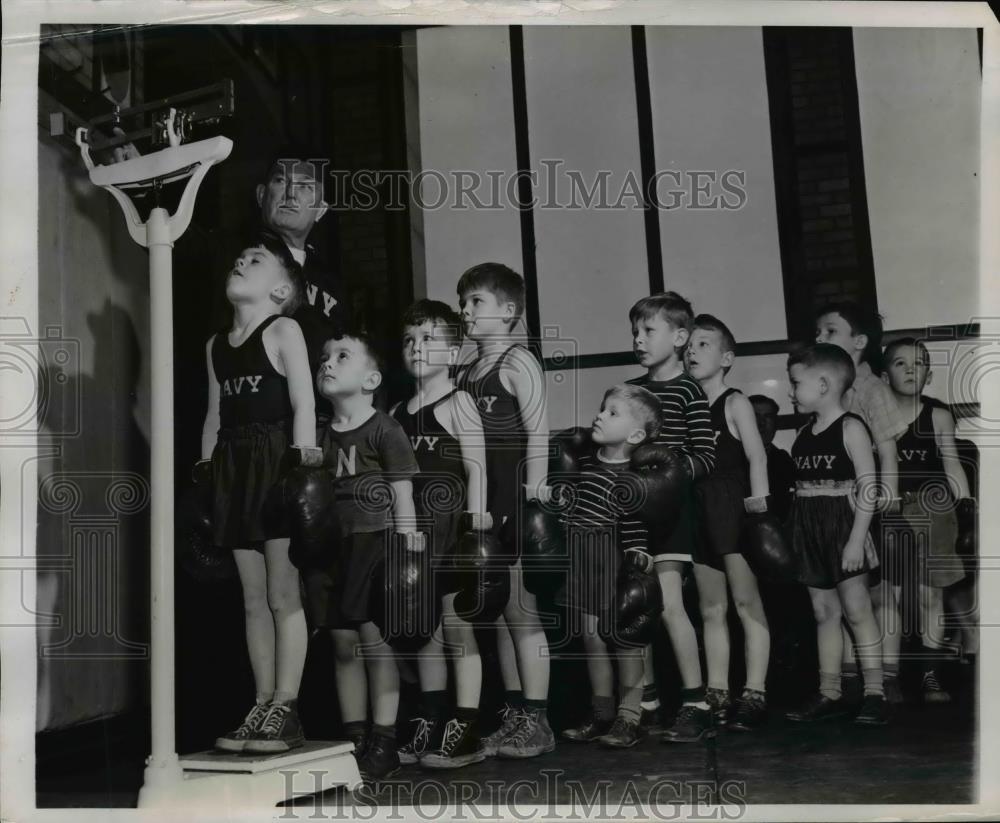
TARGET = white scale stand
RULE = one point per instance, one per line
(206, 781)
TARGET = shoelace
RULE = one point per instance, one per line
(271, 724)
(527, 723)
(686, 713)
(453, 733)
(508, 719)
(420, 736)
(620, 726)
(255, 716)
(931, 683)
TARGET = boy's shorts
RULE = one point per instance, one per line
(679, 543)
(338, 597)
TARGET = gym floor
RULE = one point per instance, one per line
(925, 756)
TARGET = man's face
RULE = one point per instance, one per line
(654, 340)
(907, 372)
(345, 369)
(767, 422)
(484, 314)
(291, 201)
(255, 274)
(615, 424)
(427, 349)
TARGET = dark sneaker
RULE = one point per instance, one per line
(460, 746)
(651, 720)
(718, 701)
(380, 760)
(691, 725)
(893, 691)
(623, 734)
(414, 749)
(360, 741)
(749, 712)
(933, 690)
(590, 729)
(874, 711)
(279, 731)
(818, 707)
(237, 739)
(508, 722)
(531, 737)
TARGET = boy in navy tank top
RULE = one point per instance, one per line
(932, 483)
(260, 401)
(834, 502)
(445, 431)
(508, 386)
(738, 482)
(661, 326)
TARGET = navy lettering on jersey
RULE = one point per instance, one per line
(237, 385)
(486, 403)
(815, 461)
(347, 463)
(914, 455)
(328, 302)
(423, 443)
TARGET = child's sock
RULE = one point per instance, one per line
(630, 706)
(514, 699)
(467, 715)
(388, 732)
(433, 705)
(829, 685)
(873, 681)
(355, 729)
(694, 697)
(890, 671)
(287, 698)
(603, 706)
(538, 707)
(848, 676)
(650, 698)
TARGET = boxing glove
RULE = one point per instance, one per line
(762, 539)
(638, 603)
(565, 450)
(307, 500)
(967, 542)
(484, 576)
(196, 551)
(544, 553)
(402, 602)
(662, 479)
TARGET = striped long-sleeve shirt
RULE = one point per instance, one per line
(601, 502)
(687, 421)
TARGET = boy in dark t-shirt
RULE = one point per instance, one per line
(372, 464)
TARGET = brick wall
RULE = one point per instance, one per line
(823, 220)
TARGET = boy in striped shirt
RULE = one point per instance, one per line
(600, 528)
(661, 325)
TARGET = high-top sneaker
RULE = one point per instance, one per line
(530, 738)
(236, 740)
(279, 731)
(380, 760)
(416, 746)
(590, 729)
(460, 746)
(934, 692)
(508, 722)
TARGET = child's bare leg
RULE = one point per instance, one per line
(885, 610)
(529, 638)
(856, 602)
(602, 680)
(432, 665)
(507, 654)
(259, 621)
(291, 636)
(352, 681)
(750, 608)
(467, 663)
(713, 599)
(679, 628)
(383, 677)
(829, 640)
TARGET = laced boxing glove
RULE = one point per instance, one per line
(565, 450)
(638, 602)
(663, 478)
(484, 575)
(762, 539)
(303, 503)
(967, 542)
(196, 551)
(402, 602)
(544, 552)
